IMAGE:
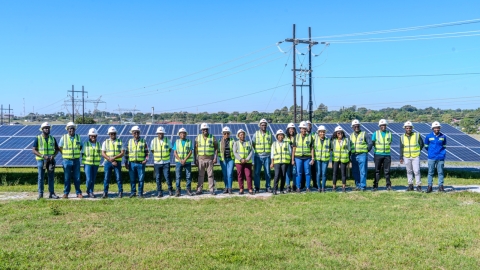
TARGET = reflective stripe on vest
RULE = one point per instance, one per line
(136, 151)
(91, 155)
(411, 148)
(358, 142)
(71, 148)
(282, 154)
(45, 148)
(322, 150)
(161, 150)
(303, 145)
(340, 152)
(382, 145)
(113, 148)
(182, 151)
(205, 145)
(243, 151)
(263, 142)
(231, 141)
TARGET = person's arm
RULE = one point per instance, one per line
(420, 142)
(195, 153)
(272, 151)
(369, 142)
(151, 146)
(215, 149)
(146, 151)
(426, 142)
(60, 145)
(373, 138)
(401, 150)
(253, 139)
(189, 154)
(444, 141)
(250, 154)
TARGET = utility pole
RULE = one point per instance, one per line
(73, 101)
(310, 102)
(83, 104)
(153, 111)
(9, 113)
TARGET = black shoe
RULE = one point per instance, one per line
(133, 194)
(177, 193)
(389, 188)
(268, 190)
(104, 195)
(419, 189)
(212, 192)
(91, 195)
(53, 196)
(199, 192)
(441, 189)
(170, 192)
(357, 189)
(289, 189)
(257, 191)
(160, 194)
(374, 189)
(225, 191)
(274, 192)
(250, 192)
(120, 195)
(410, 187)
(140, 196)
(429, 189)
(230, 191)
(307, 190)
(189, 192)
(298, 190)
(40, 196)
(241, 192)
(282, 191)
(344, 189)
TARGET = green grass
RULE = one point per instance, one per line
(295, 231)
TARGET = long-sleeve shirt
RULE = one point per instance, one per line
(281, 144)
(436, 146)
(235, 151)
(368, 140)
(420, 142)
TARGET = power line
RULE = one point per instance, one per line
(401, 39)
(398, 76)
(281, 75)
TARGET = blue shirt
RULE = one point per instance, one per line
(374, 138)
(436, 146)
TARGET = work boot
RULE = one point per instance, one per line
(177, 193)
(140, 196)
(230, 191)
(389, 188)
(170, 192)
(289, 189)
(429, 189)
(91, 195)
(225, 190)
(53, 196)
(160, 194)
(441, 189)
(40, 196)
(419, 189)
(410, 187)
(104, 195)
(268, 190)
(189, 192)
(65, 196)
(133, 194)
(199, 192)
(120, 195)
(274, 192)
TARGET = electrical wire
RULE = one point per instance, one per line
(278, 82)
(398, 76)
(401, 39)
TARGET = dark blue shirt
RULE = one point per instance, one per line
(436, 146)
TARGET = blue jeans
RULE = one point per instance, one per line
(188, 174)
(227, 170)
(258, 163)
(71, 168)
(108, 167)
(136, 171)
(41, 178)
(289, 176)
(360, 169)
(303, 167)
(165, 170)
(91, 175)
(321, 167)
(431, 171)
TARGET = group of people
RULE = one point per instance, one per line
(293, 156)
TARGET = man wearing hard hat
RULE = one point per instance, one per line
(112, 151)
(136, 158)
(161, 148)
(382, 140)
(71, 146)
(411, 143)
(206, 156)
(183, 152)
(361, 144)
(436, 144)
(226, 159)
(92, 153)
(45, 149)
(262, 144)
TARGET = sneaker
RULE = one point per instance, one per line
(389, 188)
(410, 187)
(170, 192)
(40, 196)
(177, 193)
(225, 191)
(289, 189)
(374, 189)
(199, 192)
(356, 189)
(344, 189)
(441, 189)
(212, 192)
(257, 191)
(132, 194)
(268, 190)
(429, 189)
(104, 195)
(140, 196)
(298, 190)
(160, 194)
(419, 189)
(189, 192)
(120, 195)
(230, 191)
(307, 190)
(53, 196)
(91, 195)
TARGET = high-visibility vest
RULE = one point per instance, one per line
(303, 145)
(114, 148)
(243, 149)
(220, 144)
(91, 155)
(71, 148)
(411, 147)
(161, 150)
(183, 150)
(322, 150)
(45, 148)
(289, 140)
(263, 142)
(382, 145)
(358, 142)
(136, 151)
(205, 146)
(340, 150)
(282, 154)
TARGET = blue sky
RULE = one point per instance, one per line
(130, 51)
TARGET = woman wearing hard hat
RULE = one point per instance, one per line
(322, 149)
(92, 153)
(303, 153)
(290, 134)
(226, 161)
(243, 152)
(341, 156)
(281, 158)
(112, 151)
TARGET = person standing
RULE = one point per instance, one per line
(291, 133)
(360, 145)
(206, 156)
(92, 153)
(436, 144)
(382, 139)
(45, 149)
(304, 156)
(183, 152)
(226, 160)
(112, 151)
(161, 148)
(70, 146)
(262, 144)
(281, 158)
(341, 157)
(313, 170)
(411, 143)
(322, 151)
(136, 157)
(243, 152)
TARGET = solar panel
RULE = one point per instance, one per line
(396, 128)
(422, 128)
(448, 129)
(103, 130)
(143, 129)
(6, 155)
(476, 150)
(215, 129)
(29, 131)
(462, 140)
(2, 139)
(17, 143)
(9, 130)
(370, 127)
(168, 129)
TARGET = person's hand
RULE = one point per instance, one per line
(271, 165)
(114, 162)
(293, 162)
(182, 161)
(214, 160)
(127, 166)
(144, 162)
(243, 161)
(111, 159)
(311, 162)
(45, 157)
(401, 161)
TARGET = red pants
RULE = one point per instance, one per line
(244, 171)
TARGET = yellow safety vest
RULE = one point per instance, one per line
(340, 152)
(45, 148)
(282, 154)
(382, 145)
(263, 142)
(161, 150)
(358, 142)
(231, 141)
(71, 148)
(205, 146)
(136, 151)
(303, 145)
(411, 147)
(243, 151)
(182, 151)
(91, 155)
(322, 150)
(113, 148)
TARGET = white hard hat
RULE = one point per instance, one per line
(226, 129)
(204, 126)
(134, 128)
(92, 131)
(45, 124)
(240, 131)
(262, 121)
(279, 132)
(111, 130)
(303, 124)
(71, 124)
(290, 125)
(382, 122)
(355, 122)
(160, 130)
(182, 130)
(308, 122)
(338, 128)
(407, 124)
(321, 127)
(436, 124)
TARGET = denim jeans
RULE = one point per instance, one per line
(289, 176)
(260, 162)
(108, 167)
(303, 167)
(136, 171)
(227, 171)
(321, 167)
(431, 171)
(91, 175)
(41, 178)
(162, 169)
(71, 168)
(360, 169)
(188, 174)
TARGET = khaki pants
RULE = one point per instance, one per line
(205, 164)
(413, 167)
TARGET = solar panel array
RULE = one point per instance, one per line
(16, 141)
